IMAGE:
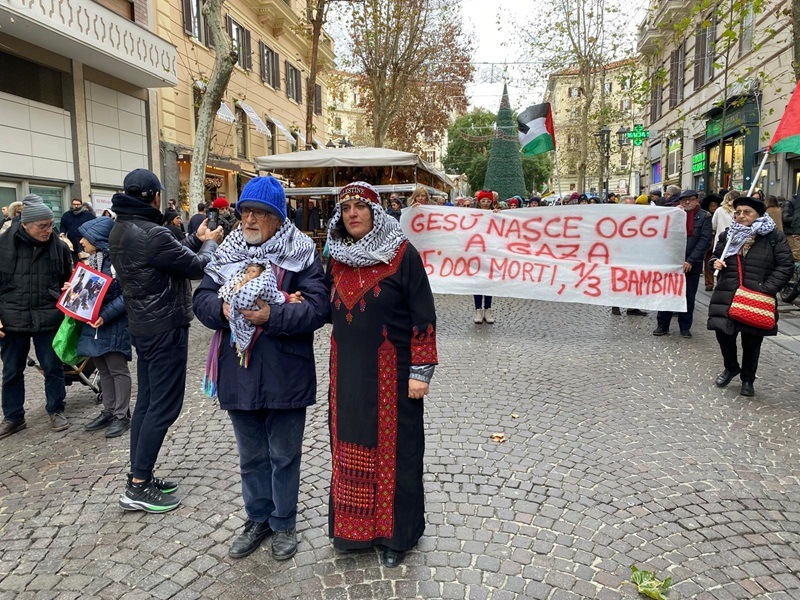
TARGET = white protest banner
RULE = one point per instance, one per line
(608, 254)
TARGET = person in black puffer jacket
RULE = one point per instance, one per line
(154, 270)
(35, 264)
(767, 266)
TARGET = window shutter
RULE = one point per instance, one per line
(711, 48)
(248, 50)
(299, 86)
(276, 71)
(699, 52)
(262, 60)
(318, 99)
(187, 16)
(207, 33)
(229, 25)
(288, 74)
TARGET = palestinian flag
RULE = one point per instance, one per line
(787, 136)
(536, 132)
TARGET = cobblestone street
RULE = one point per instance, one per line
(619, 451)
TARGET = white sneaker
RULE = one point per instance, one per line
(478, 316)
(488, 316)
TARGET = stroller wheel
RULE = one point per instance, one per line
(98, 399)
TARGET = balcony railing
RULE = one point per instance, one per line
(87, 32)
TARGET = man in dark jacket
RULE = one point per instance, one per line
(71, 222)
(154, 270)
(267, 399)
(196, 220)
(698, 239)
(790, 215)
(34, 267)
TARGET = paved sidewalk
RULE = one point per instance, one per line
(619, 452)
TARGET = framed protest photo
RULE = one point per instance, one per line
(84, 295)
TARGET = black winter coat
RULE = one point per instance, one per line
(767, 267)
(31, 277)
(281, 373)
(700, 241)
(154, 268)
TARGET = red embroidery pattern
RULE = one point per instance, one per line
(423, 347)
(364, 478)
(351, 283)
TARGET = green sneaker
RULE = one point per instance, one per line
(147, 497)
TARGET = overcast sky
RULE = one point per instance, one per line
(500, 50)
(495, 22)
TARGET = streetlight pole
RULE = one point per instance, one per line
(604, 142)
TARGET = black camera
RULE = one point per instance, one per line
(213, 218)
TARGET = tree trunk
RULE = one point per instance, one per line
(316, 19)
(226, 57)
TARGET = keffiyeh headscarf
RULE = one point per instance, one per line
(738, 234)
(289, 249)
(380, 245)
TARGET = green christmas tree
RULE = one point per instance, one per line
(504, 173)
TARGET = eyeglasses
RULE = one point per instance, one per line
(44, 226)
(256, 212)
(744, 213)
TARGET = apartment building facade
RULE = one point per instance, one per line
(263, 110)
(714, 105)
(613, 109)
(77, 106)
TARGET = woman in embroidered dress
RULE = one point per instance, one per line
(383, 352)
(766, 266)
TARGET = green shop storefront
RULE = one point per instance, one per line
(728, 152)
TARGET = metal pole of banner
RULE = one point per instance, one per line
(558, 180)
(758, 173)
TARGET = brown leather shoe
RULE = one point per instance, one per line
(58, 422)
(9, 427)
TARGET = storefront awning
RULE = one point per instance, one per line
(260, 126)
(225, 114)
(286, 133)
(320, 145)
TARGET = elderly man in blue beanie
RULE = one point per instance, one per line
(154, 270)
(266, 385)
(35, 265)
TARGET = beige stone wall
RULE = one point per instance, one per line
(196, 61)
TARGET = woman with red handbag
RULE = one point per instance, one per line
(753, 265)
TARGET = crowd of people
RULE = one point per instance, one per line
(264, 291)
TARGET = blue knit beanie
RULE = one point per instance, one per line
(265, 193)
(97, 232)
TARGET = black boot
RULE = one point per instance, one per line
(392, 558)
(250, 539)
(284, 544)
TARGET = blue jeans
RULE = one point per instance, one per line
(14, 348)
(270, 444)
(685, 319)
(482, 301)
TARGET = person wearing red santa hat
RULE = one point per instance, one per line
(483, 304)
(226, 218)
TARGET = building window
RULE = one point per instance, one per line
(430, 156)
(31, 81)
(294, 83)
(194, 23)
(607, 87)
(623, 158)
(241, 42)
(337, 125)
(318, 100)
(575, 92)
(674, 152)
(704, 54)
(677, 69)
(625, 104)
(746, 32)
(656, 90)
(272, 140)
(241, 134)
(270, 66)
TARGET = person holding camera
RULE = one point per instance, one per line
(154, 270)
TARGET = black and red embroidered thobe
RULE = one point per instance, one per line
(384, 322)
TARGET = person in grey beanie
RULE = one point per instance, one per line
(35, 265)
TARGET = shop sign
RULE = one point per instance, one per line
(699, 162)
